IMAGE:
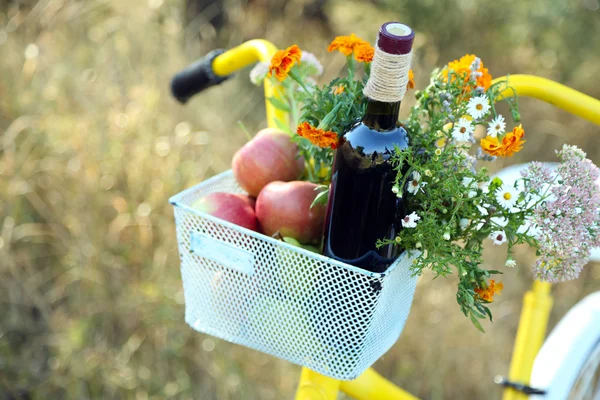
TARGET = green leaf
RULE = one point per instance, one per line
(321, 198)
(280, 105)
(476, 323)
(489, 313)
(283, 126)
(245, 130)
(479, 314)
(294, 242)
(328, 119)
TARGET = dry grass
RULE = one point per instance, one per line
(92, 146)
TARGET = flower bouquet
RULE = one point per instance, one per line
(455, 205)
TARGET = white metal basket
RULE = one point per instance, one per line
(265, 294)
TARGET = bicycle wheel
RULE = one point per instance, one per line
(587, 385)
(568, 364)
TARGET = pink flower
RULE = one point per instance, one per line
(568, 221)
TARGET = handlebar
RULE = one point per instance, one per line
(196, 77)
(554, 93)
(214, 68)
(226, 63)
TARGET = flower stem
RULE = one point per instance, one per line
(351, 66)
(295, 77)
(293, 109)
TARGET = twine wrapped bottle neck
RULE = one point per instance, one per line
(389, 76)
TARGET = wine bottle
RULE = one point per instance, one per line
(362, 207)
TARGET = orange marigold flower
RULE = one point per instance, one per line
(346, 44)
(283, 61)
(511, 143)
(317, 136)
(411, 80)
(364, 52)
(491, 145)
(463, 67)
(338, 89)
(488, 293)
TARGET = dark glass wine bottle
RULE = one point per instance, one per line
(362, 207)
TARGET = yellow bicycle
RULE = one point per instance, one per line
(569, 362)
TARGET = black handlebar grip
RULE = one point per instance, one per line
(196, 77)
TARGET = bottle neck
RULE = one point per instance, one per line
(381, 116)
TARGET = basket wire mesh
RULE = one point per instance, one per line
(282, 300)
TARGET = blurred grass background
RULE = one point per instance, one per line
(92, 145)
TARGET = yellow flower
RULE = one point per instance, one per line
(364, 52)
(511, 143)
(447, 127)
(346, 44)
(491, 145)
(323, 171)
(440, 142)
(438, 152)
(487, 293)
(283, 61)
(411, 80)
(463, 67)
(323, 168)
(338, 89)
(317, 136)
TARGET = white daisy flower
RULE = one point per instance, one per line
(415, 183)
(462, 130)
(478, 107)
(529, 228)
(410, 221)
(525, 226)
(507, 196)
(500, 221)
(484, 213)
(499, 237)
(446, 236)
(510, 263)
(496, 127)
(395, 189)
(467, 182)
(470, 184)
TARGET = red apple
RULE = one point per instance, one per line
(270, 156)
(229, 207)
(284, 207)
(251, 201)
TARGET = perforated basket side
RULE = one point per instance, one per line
(285, 301)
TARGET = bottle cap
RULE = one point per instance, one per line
(395, 38)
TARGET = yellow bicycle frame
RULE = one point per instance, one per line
(537, 302)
